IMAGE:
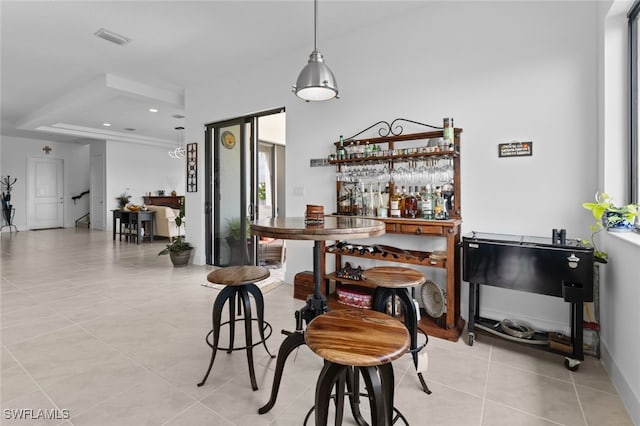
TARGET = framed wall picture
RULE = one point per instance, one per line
(192, 167)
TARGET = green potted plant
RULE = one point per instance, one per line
(123, 199)
(610, 217)
(237, 240)
(178, 250)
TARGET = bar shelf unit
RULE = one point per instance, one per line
(391, 139)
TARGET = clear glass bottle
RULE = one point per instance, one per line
(367, 149)
(427, 203)
(440, 209)
(447, 131)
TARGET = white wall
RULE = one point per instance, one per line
(15, 152)
(138, 169)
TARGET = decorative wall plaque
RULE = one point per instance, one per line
(515, 149)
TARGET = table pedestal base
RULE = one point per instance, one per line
(316, 305)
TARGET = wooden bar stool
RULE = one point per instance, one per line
(392, 282)
(359, 339)
(239, 282)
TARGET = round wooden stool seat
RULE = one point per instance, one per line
(393, 277)
(239, 282)
(362, 340)
(393, 282)
(238, 275)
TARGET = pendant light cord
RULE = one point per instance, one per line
(315, 25)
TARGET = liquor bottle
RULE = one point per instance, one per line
(394, 205)
(440, 208)
(410, 205)
(367, 149)
(357, 150)
(385, 196)
(341, 153)
(374, 150)
(402, 202)
(447, 132)
(419, 201)
(427, 204)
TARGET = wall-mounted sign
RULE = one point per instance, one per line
(515, 149)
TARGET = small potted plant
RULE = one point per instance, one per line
(123, 200)
(237, 241)
(610, 217)
(178, 250)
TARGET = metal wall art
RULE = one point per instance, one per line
(192, 167)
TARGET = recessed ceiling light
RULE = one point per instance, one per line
(129, 129)
(153, 110)
(106, 124)
(178, 116)
(105, 34)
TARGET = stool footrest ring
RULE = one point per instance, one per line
(267, 328)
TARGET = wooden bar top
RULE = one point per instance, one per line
(357, 337)
(333, 228)
(235, 275)
(393, 277)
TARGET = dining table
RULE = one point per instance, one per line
(318, 231)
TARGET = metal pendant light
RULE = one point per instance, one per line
(179, 152)
(316, 82)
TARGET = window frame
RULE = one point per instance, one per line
(633, 17)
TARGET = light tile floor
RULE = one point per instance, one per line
(112, 334)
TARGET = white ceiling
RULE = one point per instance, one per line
(60, 82)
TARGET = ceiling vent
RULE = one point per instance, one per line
(178, 116)
(112, 37)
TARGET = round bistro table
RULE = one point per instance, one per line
(295, 228)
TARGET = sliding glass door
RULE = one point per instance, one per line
(236, 190)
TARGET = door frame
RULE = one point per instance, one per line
(211, 150)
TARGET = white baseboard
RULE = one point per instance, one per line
(629, 399)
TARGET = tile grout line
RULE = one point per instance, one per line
(486, 385)
(35, 382)
(134, 361)
(575, 389)
(180, 412)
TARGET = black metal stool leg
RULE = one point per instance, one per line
(376, 398)
(411, 322)
(257, 296)
(388, 384)
(291, 342)
(216, 315)
(246, 303)
(339, 396)
(232, 318)
(329, 377)
(353, 387)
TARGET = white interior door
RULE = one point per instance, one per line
(97, 193)
(45, 196)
